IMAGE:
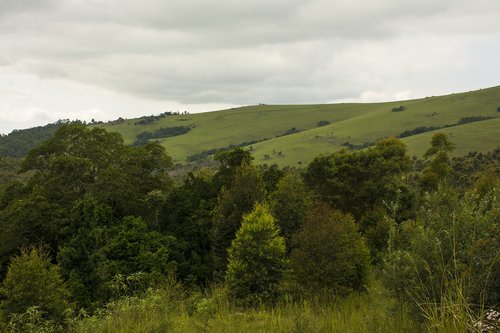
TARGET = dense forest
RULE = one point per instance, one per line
(19, 142)
(101, 236)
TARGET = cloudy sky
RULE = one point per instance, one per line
(104, 59)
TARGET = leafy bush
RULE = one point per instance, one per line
(329, 256)
(448, 249)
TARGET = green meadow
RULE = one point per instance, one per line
(263, 127)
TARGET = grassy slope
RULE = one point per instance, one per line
(356, 123)
(222, 128)
(381, 122)
(480, 136)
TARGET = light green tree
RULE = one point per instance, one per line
(32, 281)
(256, 259)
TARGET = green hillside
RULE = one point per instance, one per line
(350, 125)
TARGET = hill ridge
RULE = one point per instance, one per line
(294, 134)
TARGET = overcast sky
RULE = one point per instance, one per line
(104, 59)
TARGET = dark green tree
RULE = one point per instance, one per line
(188, 215)
(233, 202)
(79, 161)
(80, 256)
(329, 256)
(290, 204)
(439, 168)
(135, 250)
(360, 181)
(271, 176)
(230, 161)
(29, 220)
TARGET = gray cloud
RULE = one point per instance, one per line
(15, 7)
(241, 51)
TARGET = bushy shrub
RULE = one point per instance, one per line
(449, 249)
(329, 255)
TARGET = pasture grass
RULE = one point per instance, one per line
(356, 123)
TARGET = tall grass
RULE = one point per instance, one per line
(436, 269)
(172, 310)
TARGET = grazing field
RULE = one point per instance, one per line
(291, 134)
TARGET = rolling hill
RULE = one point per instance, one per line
(291, 134)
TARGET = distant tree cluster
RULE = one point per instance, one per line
(162, 132)
(322, 123)
(418, 130)
(292, 130)
(352, 146)
(471, 119)
(423, 129)
(154, 118)
(206, 153)
(19, 142)
(399, 108)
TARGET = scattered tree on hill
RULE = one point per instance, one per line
(162, 132)
(398, 108)
(256, 259)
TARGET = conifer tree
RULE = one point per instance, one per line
(256, 259)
